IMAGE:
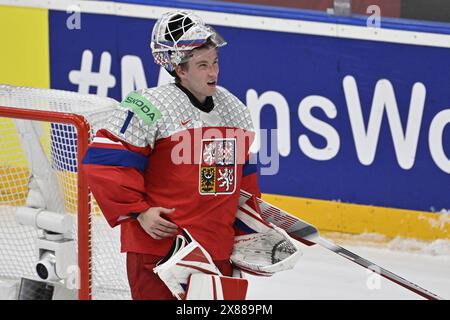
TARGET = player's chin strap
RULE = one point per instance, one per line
(260, 247)
(190, 274)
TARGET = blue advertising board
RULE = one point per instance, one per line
(357, 121)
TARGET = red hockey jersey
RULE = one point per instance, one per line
(159, 150)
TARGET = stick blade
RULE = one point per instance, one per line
(377, 269)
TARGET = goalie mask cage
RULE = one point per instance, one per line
(47, 132)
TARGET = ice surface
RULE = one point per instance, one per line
(322, 274)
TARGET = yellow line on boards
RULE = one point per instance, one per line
(357, 219)
(24, 58)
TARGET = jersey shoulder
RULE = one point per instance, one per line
(232, 110)
(225, 97)
(164, 97)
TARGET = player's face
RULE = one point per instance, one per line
(200, 76)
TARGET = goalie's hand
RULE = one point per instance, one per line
(157, 226)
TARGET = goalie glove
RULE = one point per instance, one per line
(261, 248)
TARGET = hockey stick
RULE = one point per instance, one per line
(309, 235)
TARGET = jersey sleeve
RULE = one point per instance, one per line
(116, 160)
(250, 168)
(250, 177)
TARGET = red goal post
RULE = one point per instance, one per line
(69, 121)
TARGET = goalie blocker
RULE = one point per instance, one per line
(260, 248)
(190, 274)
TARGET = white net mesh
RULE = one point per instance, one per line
(49, 150)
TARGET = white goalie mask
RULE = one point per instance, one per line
(175, 34)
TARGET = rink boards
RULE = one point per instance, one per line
(362, 142)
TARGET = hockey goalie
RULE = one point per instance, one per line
(260, 248)
(176, 157)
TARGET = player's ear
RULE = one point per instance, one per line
(179, 70)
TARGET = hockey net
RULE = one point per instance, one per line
(50, 130)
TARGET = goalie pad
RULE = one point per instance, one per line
(186, 257)
(214, 287)
(260, 247)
